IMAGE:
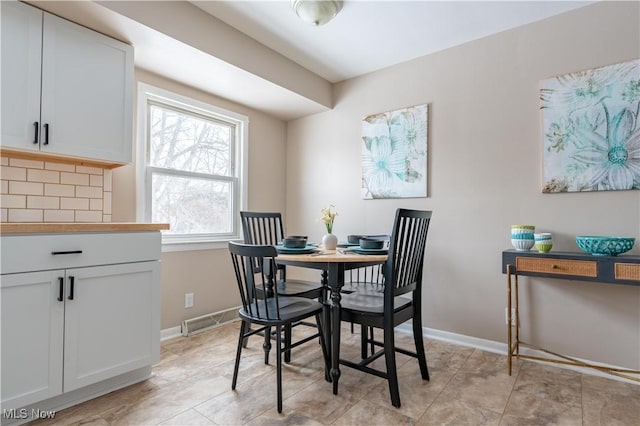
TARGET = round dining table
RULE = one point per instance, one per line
(333, 264)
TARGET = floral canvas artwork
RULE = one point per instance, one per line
(394, 154)
(591, 129)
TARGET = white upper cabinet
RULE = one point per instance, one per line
(87, 89)
(21, 59)
(84, 106)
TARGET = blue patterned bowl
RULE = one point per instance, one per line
(605, 246)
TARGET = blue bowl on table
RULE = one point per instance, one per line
(295, 241)
(605, 246)
(354, 239)
(371, 243)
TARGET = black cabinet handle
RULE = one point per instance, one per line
(55, 253)
(61, 291)
(71, 285)
(35, 128)
(46, 134)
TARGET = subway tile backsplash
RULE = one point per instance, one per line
(46, 191)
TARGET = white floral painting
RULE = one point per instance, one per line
(394, 154)
(591, 129)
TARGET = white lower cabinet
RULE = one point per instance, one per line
(32, 337)
(108, 324)
(65, 329)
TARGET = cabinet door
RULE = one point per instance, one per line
(87, 93)
(21, 57)
(112, 321)
(32, 340)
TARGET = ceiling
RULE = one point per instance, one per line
(367, 36)
(180, 41)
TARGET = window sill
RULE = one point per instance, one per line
(195, 245)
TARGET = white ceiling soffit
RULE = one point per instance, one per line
(367, 36)
(166, 56)
(260, 54)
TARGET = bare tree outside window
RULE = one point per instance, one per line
(192, 170)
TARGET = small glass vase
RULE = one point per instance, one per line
(329, 242)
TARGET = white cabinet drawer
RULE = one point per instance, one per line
(26, 253)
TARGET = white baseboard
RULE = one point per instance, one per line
(170, 333)
(463, 340)
(501, 348)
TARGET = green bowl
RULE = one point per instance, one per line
(543, 247)
(605, 246)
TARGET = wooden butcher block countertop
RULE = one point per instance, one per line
(55, 228)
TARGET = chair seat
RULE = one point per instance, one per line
(300, 288)
(372, 303)
(362, 287)
(291, 309)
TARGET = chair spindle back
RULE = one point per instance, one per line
(403, 270)
(262, 228)
(255, 281)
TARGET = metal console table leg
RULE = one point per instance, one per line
(514, 343)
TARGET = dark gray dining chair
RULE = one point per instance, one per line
(276, 311)
(267, 228)
(401, 300)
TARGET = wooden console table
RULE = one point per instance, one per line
(621, 269)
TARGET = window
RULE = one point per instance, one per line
(191, 168)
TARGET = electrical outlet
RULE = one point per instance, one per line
(513, 317)
(188, 300)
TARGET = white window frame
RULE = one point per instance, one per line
(170, 242)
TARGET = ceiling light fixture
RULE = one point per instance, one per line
(316, 12)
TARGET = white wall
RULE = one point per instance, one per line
(485, 156)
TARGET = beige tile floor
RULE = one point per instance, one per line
(192, 386)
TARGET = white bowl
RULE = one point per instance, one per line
(522, 245)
